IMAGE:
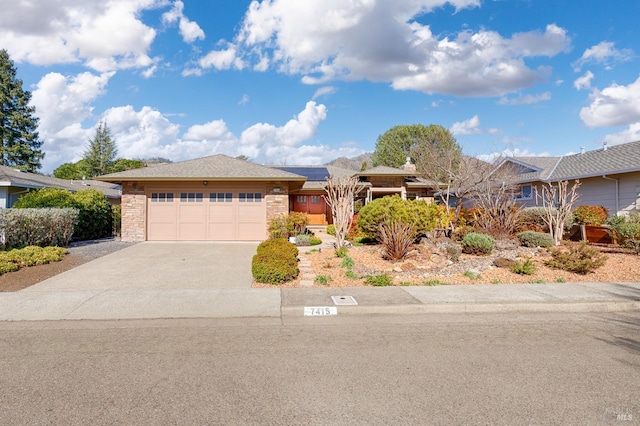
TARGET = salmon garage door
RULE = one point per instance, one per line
(211, 214)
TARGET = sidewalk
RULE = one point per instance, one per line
(287, 302)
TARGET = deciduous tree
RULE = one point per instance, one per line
(558, 200)
(339, 196)
(19, 140)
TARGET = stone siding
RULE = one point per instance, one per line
(277, 199)
(134, 212)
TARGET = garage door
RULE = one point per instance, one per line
(220, 214)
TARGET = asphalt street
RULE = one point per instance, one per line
(515, 368)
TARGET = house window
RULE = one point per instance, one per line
(220, 197)
(191, 197)
(301, 199)
(526, 192)
(162, 197)
(250, 197)
(316, 199)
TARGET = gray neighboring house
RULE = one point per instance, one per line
(14, 183)
(609, 176)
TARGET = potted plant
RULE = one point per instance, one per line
(591, 220)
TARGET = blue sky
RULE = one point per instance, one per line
(305, 82)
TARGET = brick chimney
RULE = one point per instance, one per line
(408, 166)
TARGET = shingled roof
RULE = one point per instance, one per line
(17, 178)
(624, 158)
(215, 167)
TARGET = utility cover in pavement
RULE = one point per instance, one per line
(344, 300)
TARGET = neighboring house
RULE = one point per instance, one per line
(216, 198)
(14, 183)
(609, 176)
(382, 180)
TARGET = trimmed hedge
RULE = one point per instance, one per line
(15, 259)
(95, 218)
(275, 262)
(535, 239)
(36, 227)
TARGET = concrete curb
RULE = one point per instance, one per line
(458, 308)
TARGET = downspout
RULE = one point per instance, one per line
(617, 190)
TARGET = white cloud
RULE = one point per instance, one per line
(62, 103)
(324, 91)
(614, 106)
(517, 152)
(603, 53)
(584, 82)
(189, 30)
(381, 41)
(104, 35)
(630, 134)
(525, 100)
(216, 129)
(470, 127)
(222, 59)
(244, 100)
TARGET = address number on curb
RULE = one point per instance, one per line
(315, 311)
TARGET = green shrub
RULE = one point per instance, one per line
(116, 214)
(323, 279)
(475, 243)
(285, 226)
(433, 283)
(461, 231)
(275, 262)
(423, 216)
(381, 280)
(36, 227)
(580, 259)
(351, 275)
(535, 239)
(15, 259)
(347, 262)
(590, 215)
(331, 229)
(472, 274)
(453, 251)
(272, 268)
(95, 218)
(524, 268)
(342, 251)
(627, 231)
(303, 240)
(314, 241)
(279, 246)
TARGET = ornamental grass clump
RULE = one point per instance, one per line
(275, 262)
(396, 239)
(381, 280)
(476, 243)
(580, 259)
(535, 239)
(524, 268)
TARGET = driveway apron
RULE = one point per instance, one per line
(161, 265)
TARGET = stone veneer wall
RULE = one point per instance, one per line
(277, 202)
(134, 205)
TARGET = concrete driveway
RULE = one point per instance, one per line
(161, 266)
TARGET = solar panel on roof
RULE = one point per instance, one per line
(312, 173)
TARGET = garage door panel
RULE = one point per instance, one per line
(223, 214)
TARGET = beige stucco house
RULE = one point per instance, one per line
(216, 198)
(609, 176)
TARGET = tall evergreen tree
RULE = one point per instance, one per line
(19, 143)
(101, 153)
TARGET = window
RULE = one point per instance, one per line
(301, 199)
(316, 199)
(250, 197)
(162, 197)
(191, 197)
(220, 197)
(526, 192)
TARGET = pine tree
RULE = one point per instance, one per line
(101, 153)
(19, 143)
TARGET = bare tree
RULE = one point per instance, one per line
(340, 194)
(494, 195)
(558, 201)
